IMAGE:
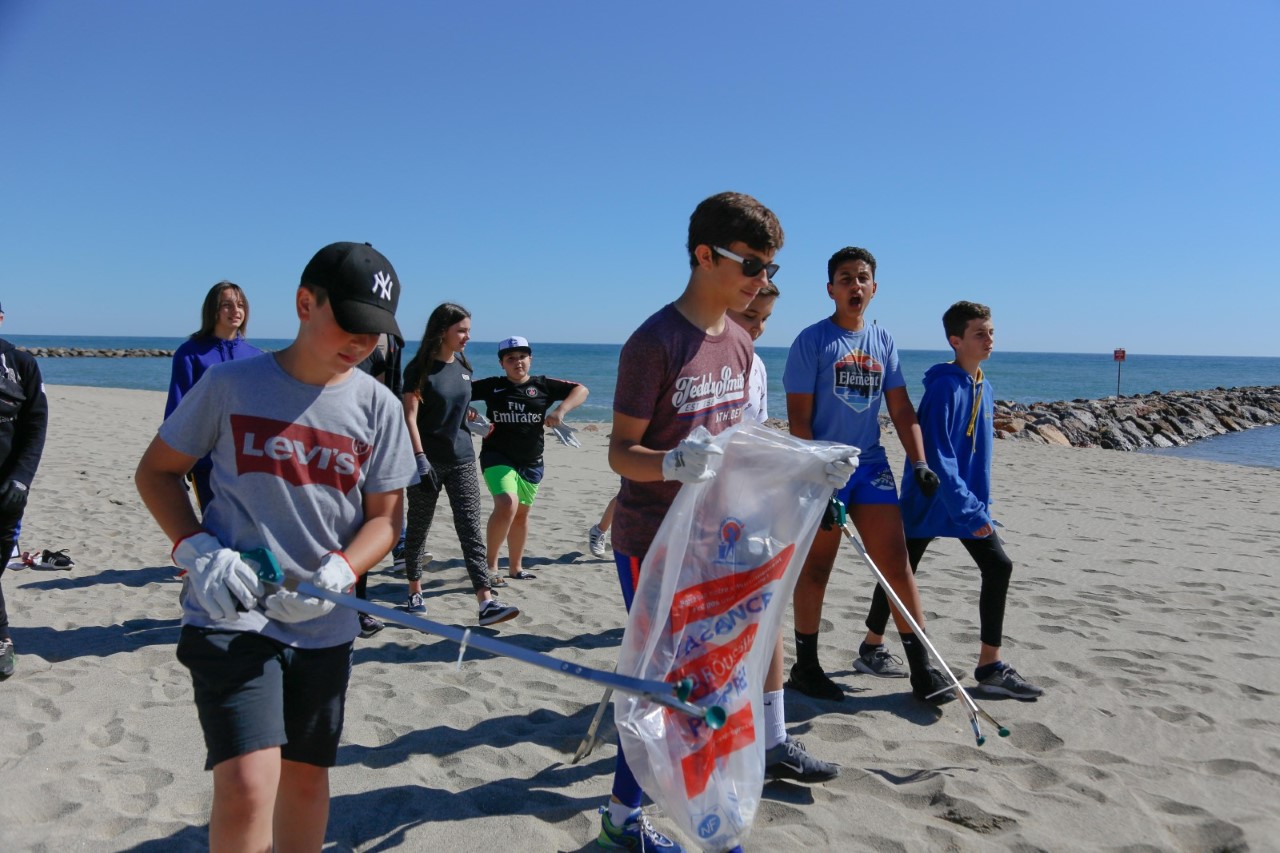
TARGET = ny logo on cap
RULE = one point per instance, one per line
(382, 285)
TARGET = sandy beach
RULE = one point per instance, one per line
(1145, 599)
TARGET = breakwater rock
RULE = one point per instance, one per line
(1169, 419)
(79, 352)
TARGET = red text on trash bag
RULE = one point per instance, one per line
(713, 597)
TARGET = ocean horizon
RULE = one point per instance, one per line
(1016, 377)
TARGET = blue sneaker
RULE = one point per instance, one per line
(414, 604)
(635, 833)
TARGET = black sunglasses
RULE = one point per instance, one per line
(751, 267)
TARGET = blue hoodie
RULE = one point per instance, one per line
(955, 417)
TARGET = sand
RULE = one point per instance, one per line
(1144, 599)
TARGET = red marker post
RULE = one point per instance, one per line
(1118, 355)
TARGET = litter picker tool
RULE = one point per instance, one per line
(974, 710)
(589, 740)
(673, 696)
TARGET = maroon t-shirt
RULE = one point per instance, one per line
(676, 377)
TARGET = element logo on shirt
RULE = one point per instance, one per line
(298, 454)
(704, 392)
(857, 379)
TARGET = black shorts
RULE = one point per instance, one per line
(255, 693)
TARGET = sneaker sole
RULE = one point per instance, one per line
(506, 617)
(866, 669)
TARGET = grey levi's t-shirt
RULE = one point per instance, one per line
(291, 463)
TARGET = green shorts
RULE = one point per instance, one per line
(505, 480)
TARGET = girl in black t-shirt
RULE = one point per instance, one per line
(437, 391)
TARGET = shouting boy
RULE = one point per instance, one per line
(838, 372)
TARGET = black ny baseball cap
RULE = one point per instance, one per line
(362, 285)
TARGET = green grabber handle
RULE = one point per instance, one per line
(262, 561)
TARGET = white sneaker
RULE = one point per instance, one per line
(595, 540)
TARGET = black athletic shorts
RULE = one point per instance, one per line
(254, 693)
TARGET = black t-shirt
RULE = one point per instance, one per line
(517, 413)
(443, 410)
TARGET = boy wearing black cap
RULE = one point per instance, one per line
(511, 454)
(312, 456)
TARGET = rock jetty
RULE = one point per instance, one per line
(78, 352)
(1168, 419)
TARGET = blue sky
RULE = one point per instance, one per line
(1102, 174)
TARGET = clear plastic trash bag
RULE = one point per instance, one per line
(713, 589)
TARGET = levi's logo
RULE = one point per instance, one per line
(301, 455)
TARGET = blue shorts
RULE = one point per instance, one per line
(255, 693)
(872, 483)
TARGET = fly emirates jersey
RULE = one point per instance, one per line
(676, 377)
(291, 464)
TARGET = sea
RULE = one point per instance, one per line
(1016, 376)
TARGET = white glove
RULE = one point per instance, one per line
(334, 575)
(477, 423)
(565, 435)
(841, 461)
(693, 460)
(219, 579)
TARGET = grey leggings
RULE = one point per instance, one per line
(463, 486)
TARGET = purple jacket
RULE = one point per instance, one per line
(196, 356)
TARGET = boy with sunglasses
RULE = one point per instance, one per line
(661, 396)
(838, 372)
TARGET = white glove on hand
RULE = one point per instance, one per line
(334, 575)
(693, 460)
(219, 579)
(479, 424)
(565, 435)
(841, 461)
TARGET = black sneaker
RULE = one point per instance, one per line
(369, 625)
(932, 687)
(790, 760)
(494, 611)
(810, 680)
(1006, 682)
(6, 658)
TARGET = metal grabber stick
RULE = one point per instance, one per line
(974, 710)
(673, 696)
(589, 740)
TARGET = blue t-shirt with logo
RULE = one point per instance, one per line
(847, 373)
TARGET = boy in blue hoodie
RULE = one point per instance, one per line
(955, 418)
